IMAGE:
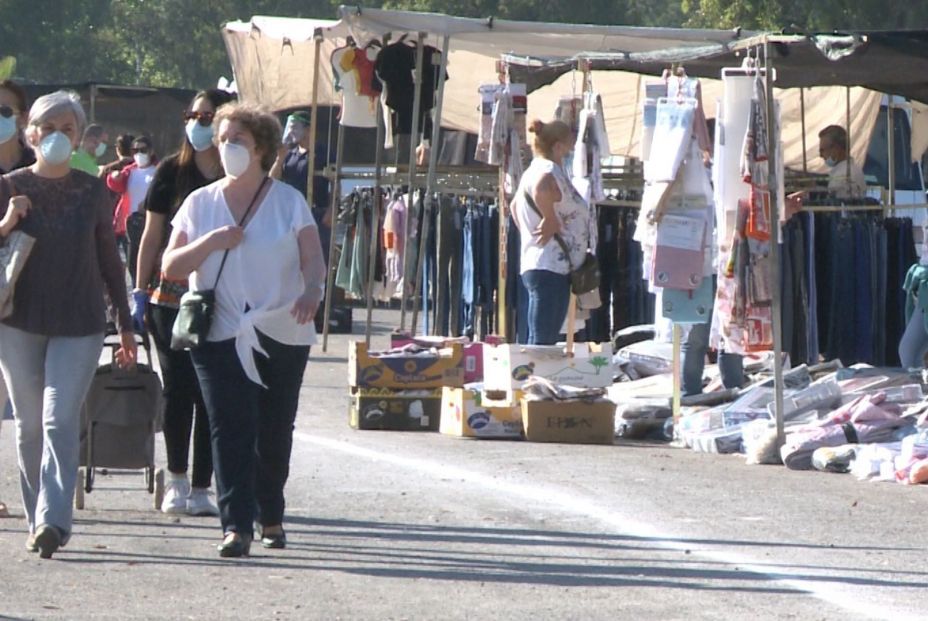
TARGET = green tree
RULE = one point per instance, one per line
(819, 16)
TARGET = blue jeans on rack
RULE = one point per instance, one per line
(548, 299)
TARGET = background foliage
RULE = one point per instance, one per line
(177, 42)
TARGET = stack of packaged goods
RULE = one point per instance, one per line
(401, 389)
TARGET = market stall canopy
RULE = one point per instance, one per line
(888, 62)
(272, 60)
(272, 57)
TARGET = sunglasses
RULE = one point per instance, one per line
(204, 118)
(140, 149)
(7, 111)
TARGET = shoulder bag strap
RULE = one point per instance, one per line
(531, 203)
(225, 255)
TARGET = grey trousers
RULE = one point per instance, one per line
(48, 379)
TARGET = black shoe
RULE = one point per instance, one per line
(276, 541)
(47, 540)
(234, 546)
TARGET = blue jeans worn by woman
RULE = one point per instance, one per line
(48, 378)
(251, 428)
(548, 299)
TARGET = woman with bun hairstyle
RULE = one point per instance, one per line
(547, 205)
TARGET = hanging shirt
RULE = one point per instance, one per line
(591, 146)
(395, 66)
(357, 109)
(573, 212)
(262, 277)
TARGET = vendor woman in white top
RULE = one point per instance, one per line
(251, 366)
(547, 206)
(845, 177)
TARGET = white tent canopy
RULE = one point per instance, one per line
(272, 60)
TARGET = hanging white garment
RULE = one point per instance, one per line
(357, 109)
(672, 133)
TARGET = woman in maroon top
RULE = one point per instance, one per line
(50, 345)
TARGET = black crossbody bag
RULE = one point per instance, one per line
(195, 315)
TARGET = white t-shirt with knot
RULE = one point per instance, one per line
(262, 278)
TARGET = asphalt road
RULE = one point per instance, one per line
(387, 525)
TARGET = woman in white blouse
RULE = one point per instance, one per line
(553, 219)
(251, 367)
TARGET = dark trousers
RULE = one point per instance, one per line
(183, 405)
(252, 428)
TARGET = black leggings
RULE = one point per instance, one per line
(183, 404)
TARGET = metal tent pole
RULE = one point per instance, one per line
(411, 201)
(847, 125)
(891, 148)
(336, 199)
(311, 168)
(802, 118)
(502, 310)
(375, 220)
(433, 162)
(773, 147)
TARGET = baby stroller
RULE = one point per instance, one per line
(119, 420)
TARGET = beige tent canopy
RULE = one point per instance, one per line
(272, 60)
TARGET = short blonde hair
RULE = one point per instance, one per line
(260, 123)
(54, 104)
(547, 135)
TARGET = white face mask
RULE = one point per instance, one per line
(235, 158)
(100, 150)
(55, 148)
(142, 160)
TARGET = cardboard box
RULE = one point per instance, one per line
(472, 361)
(506, 367)
(464, 414)
(574, 422)
(395, 410)
(404, 372)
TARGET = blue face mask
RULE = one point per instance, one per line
(200, 136)
(830, 162)
(55, 149)
(7, 128)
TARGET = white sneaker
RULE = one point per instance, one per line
(200, 502)
(176, 491)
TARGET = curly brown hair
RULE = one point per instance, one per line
(260, 123)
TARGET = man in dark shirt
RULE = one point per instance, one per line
(292, 167)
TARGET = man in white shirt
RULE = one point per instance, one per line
(845, 177)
